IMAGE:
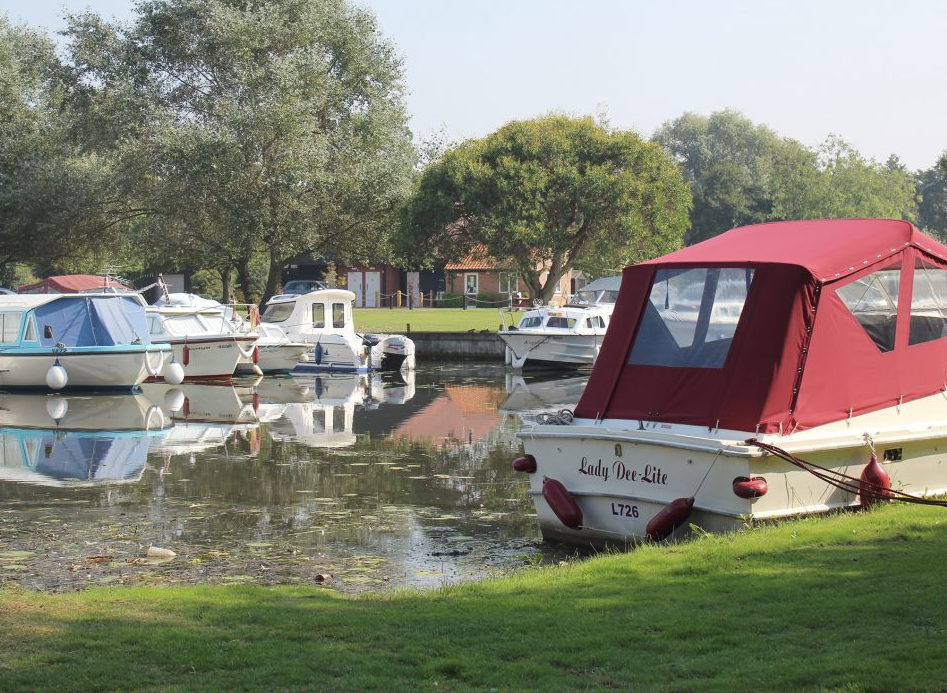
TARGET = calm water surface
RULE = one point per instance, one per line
(358, 482)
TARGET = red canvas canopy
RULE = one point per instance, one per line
(838, 318)
(72, 284)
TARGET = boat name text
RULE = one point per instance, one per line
(620, 471)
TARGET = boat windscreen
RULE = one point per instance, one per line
(691, 317)
(278, 312)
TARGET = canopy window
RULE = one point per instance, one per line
(691, 317)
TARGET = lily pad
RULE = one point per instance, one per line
(15, 555)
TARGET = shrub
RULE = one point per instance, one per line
(451, 300)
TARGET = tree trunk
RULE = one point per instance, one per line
(245, 280)
(226, 284)
(272, 278)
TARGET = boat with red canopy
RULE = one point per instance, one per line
(777, 369)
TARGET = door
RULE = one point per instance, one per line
(355, 286)
(372, 289)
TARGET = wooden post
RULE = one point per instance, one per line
(399, 298)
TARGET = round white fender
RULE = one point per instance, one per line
(173, 373)
(56, 377)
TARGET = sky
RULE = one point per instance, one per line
(870, 71)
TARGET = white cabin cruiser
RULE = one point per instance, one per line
(205, 341)
(275, 352)
(323, 319)
(824, 391)
(93, 340)
(566, 337)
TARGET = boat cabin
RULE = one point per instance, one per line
(42, 321)
(326, 311)
(777, 327)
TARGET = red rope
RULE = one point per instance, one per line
(844, 481)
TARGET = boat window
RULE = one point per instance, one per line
(928, 302)
(873, 300)
(184, 325)
(10, 327)
(338, 315)
(319, 315)
(691, 317)
(560, 322)
(278, 312)
(30, 334)
(534, 321)
(218, 324)
(155, 326)
(595, 322)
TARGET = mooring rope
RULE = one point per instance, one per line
(845, 482)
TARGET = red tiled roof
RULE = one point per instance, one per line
(478, 259)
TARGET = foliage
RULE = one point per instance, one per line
(769, 609)
(741, 173)
(449, 299)
(252, 129)
(548, 194)
(52, 195)
(931, 193)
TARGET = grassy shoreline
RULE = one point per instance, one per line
(397, 320)
(850, 602)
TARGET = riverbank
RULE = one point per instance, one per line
(847, 602)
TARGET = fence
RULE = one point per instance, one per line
(401, 299)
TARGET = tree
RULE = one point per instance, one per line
(549, 194)
(741, 173)
(931, 195)
(51, 193)
(268, 129)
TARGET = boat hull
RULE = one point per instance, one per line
(277, 358)
(121, 367)
(551, 350)
(622, 479)
(211, 358)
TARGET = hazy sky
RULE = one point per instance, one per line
(872, 71)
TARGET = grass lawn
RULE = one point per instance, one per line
(852, 602)
(429, 319)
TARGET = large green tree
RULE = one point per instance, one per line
(743, 173)
(548, 195)
(265, 128)
(931, 192)
(52, 194)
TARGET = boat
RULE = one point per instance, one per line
(566, 337)
(532, 394)
(76, 441)
(275, 352)
(819, 387)
(92, 341)
(323, 319)
(206, 343)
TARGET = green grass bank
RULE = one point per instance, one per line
(396, 320)
(852, 602)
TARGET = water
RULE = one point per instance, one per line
(357, 482)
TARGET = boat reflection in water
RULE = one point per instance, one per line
(378, 479)
(205, 416)
(76, 440)
(528, 396)
(319, 411)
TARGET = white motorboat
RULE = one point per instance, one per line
(95, 341)
(323, 319)
(819, 385)
(205, 341)
(275, 352)
(563, 337)
(73, 440)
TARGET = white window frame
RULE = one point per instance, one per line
(512, 281)
(476, 283)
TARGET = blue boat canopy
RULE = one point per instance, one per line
(79, 321)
